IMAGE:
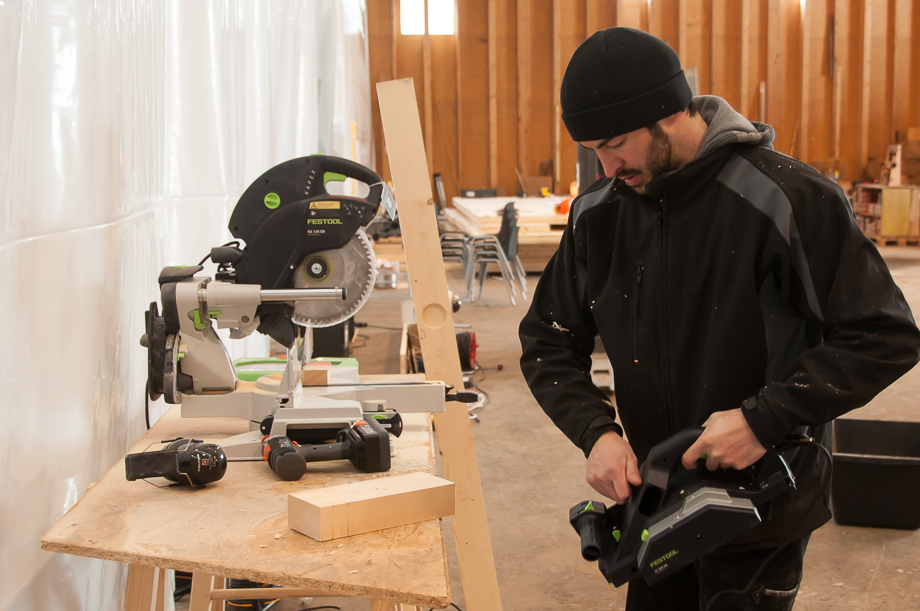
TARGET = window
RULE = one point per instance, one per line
(440, 17)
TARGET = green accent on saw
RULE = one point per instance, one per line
(245, 362)
(272, 201)
(379, 417)
(336, 362)
(333, 177)
(644, 536)
(180, 356)
(616, 535)
(588, 507)
(197, 319)
(179, 266)
(252, 376)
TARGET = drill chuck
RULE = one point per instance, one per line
(281, 455)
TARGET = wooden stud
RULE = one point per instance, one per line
(876, 83)
(340, 511)
(817, 82)
(384, 605)
(444, 112)
(726, 50)
(905, 98)
(848, 26)
(429, 102)
(399, 111)
(695, 48)
(662, 21)
(600, 15)
(493, 93)
(142, 585)
(472, 94)
(632, 14)
(524, 84)
(783, 72)
(542, 92)
(568, 33)
(753, 56)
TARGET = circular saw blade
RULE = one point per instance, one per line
(352, 267)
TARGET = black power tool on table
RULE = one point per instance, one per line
(184, 461)
(366, 444)
(676, 515)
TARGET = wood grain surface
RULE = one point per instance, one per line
(237, 527)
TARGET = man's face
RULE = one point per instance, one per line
(636, 157)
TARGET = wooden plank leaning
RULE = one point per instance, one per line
(428, 279)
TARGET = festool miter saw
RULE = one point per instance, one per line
(306, 263)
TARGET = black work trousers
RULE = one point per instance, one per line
(693, 587)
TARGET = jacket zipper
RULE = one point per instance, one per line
(664, 338)
(635, 315)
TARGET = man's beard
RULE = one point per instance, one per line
(657, 158)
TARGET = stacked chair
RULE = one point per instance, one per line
(475, 253)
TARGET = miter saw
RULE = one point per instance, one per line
(306, 263)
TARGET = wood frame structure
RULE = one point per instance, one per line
(838, 80)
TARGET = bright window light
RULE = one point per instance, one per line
(441, 17)
(411, 17)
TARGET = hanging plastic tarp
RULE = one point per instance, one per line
(128, 129)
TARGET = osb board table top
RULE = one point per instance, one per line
(237, 527)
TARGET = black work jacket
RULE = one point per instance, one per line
(739, 280)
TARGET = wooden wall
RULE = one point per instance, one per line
(837, 79)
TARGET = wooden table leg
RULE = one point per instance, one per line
(200, 598)
(384, 605)
(162, 589)
(142, 583)
(409, 608)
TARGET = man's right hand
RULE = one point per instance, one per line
(612, 467)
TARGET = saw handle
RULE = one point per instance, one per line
(351, 169)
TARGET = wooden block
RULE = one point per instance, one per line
(316, 374)
(375, 504)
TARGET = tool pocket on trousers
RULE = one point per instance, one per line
(766, 599)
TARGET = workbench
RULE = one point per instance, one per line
(237, 528)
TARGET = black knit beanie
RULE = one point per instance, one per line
(620, 80)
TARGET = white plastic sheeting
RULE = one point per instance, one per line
(128, 129)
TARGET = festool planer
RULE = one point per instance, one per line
(306, 263)
(676, 515)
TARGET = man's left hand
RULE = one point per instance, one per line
(727, 442)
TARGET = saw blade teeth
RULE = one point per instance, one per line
(352, 267)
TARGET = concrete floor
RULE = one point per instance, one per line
(531, 475)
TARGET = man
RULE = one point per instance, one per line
(732, 290)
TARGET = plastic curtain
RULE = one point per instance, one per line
(128, 129)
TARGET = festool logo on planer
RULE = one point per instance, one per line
(667, 556)
(324, 221)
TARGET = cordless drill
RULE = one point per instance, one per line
(365, 443)
(184, 461)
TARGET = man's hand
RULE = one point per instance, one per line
(612, 467)
(727, 442)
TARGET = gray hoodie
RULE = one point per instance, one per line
(727, 126)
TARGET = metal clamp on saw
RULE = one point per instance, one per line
(676, 515)
(306, 263)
